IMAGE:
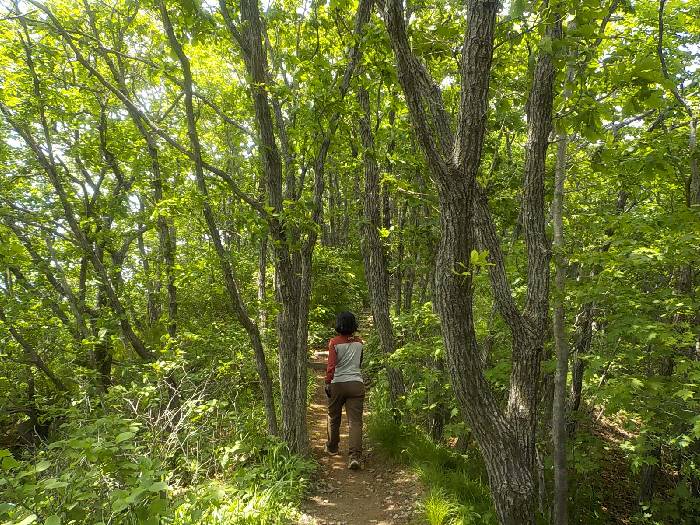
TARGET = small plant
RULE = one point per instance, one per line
(439, 508)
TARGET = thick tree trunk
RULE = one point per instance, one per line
(527, 350)
(508, 467)
(288, 264)
(302, 338)
(507, 441)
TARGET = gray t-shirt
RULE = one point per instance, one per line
(349, 357)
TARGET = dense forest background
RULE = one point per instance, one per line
(190, 191)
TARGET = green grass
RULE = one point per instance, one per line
(458, 492)
(439, 508)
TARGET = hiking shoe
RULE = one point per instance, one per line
(354, 464)
(328, 450)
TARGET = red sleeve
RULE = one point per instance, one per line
(332, 358)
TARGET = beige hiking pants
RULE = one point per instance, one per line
(352, 395)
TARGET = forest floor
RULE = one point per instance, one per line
(381, 493)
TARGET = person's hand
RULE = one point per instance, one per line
(327, 389)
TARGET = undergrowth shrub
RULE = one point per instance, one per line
(457, 486)
(141, 455)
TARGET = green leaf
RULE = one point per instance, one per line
(684, 394)
(53, 520)
(696, 427)
(53, 483)
(158, 486)
(42, 466)
(124, 436)
(120, 504)
(8, 463)
(12, 102)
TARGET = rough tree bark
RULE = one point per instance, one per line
(505, 438)
(262, 283)
(250, 38)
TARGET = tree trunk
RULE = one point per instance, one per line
(584, 336)
(400, 250)
(237, 302)
(506, 440)
(560, 340)
(410, 271)
(152, 284)
(292, 267)
(262, 283)
(103, 357)
(31, 355)
(333, 198)
(373, 253)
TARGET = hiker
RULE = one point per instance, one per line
(344, 386)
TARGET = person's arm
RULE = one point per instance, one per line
(332, 359)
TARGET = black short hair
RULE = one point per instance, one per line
(345, 323)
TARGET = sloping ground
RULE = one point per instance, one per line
(379, 494)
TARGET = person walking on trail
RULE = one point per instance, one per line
(344, 386)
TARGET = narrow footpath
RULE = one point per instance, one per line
(380, 494)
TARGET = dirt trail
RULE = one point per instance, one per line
(379, 494)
